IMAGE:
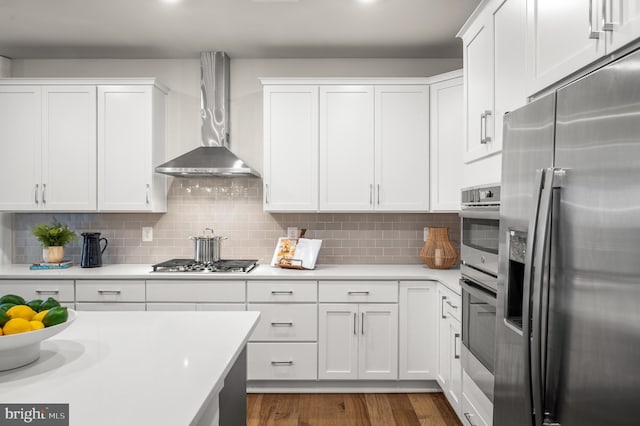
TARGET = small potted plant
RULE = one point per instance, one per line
(53, 238)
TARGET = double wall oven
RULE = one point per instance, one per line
(480, 218)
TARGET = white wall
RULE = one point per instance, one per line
(183, 78)
(6, 219)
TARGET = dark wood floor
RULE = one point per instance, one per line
(400, 409)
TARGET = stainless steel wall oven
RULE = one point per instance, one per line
(479, 254)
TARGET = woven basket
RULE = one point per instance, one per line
(438, 252)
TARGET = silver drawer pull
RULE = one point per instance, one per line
(109, 291)
(282, 292)
(47, 291)
(468, 416)
(281, 362)
(358, 292)
(282, 324)
(452, 305)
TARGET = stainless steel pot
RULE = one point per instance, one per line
(207, 247)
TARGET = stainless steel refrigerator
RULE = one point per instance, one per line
(568, 312)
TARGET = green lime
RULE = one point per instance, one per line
(48, 304)
(12, 298)
(34, 304)
(55, 316)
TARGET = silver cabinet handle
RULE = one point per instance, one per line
(468, 416)
(452, 305)
(444, 316)
(482, 128)
(487, 138)
(378, 194)
(606, 25)
(289, 292)
(44, 193)
(35, 194)
(109, 291)
(147, 193)
(362, 324)
(266, 193)
(281, 324)
(354, 323)
(456, 355)
(47, 291)
(595, 35)
(370, 193)
(358, 292)
(281, 362)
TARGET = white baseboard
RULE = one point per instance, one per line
(341, 386)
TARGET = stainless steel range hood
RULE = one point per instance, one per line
(213, 158)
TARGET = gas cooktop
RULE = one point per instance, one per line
(190, 265)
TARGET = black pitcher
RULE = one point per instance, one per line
(91, 253)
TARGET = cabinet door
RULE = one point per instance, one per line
(346, 148)
(418, 320)
(478, 65)
(447, 112)
(562, 37)
(338, 341)
(378, 348)
(291, 148)
(509, 19)
(21, 159)
(454, 391)
(622, 22)
(116, 306)
(401, 148)
(69, 148)
(443, 372)
(124, 148)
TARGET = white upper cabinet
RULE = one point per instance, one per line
(401, 148)
(358, 146)
(478, 66)
(131, 143)
(69, 148)
(290, 148)
(565, 36)
(21, 159)
(447, 136)
(346, 148)
(49, 154)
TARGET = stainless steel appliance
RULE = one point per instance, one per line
(207, 248)
(568, 329)
(190, 265)
(479, 253)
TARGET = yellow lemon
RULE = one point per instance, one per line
(16, 325)
(39, 316)
(1, 332)
(21, 311)
(36, 325)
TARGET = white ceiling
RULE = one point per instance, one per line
(243, 28)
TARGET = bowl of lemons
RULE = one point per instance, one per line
(23, 325)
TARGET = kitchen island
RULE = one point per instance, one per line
(133, 368)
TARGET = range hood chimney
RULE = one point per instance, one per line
(213, 158)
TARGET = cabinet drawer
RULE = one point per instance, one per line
(110, 306)
(289, 322)
(358, 291)
(195, 291)
(282, 361)
(61, 290)
(453, 306)
(110, 291)
(477, 409)
(282, 291)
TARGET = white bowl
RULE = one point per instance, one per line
(21, 349)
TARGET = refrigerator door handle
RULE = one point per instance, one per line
(542, 239)
(526, 292)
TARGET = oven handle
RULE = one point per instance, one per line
(492, 214)
(479, 292)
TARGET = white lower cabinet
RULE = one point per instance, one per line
(61, 290)
(418, 330)
(285, 322)
(282, 361)
(477, 409)
(449, 372)
(110, 295)
(358, 341)
(110, 306)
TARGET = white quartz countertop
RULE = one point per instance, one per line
(449, 277)
(133, 368)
